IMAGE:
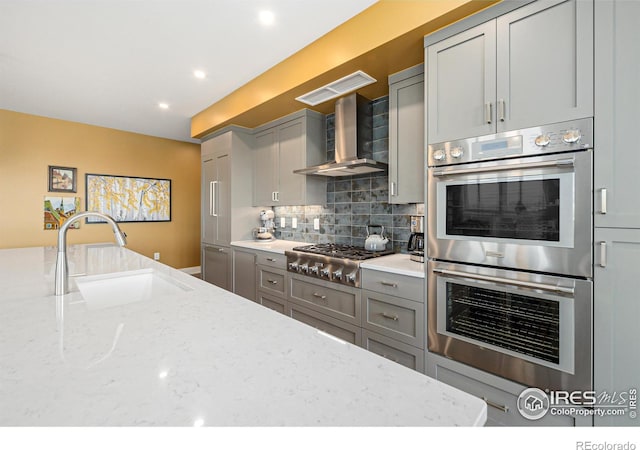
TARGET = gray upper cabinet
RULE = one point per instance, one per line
(461, 88)
(616, 317)
(280, 147)
(617, 97)
(529, 67)
(406, 136)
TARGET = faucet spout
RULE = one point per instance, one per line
(62, 272)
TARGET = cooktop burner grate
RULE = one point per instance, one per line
(341, 251)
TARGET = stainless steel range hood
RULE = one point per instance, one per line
(354, 153)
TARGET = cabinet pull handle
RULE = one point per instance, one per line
(389, 316)
(273, 281)
(393, 188)
(502, 408)
(501, 108)
(603, 201)
(213, 192)
(388, 283)
(487, 112)
(320, 296)
(603, 254)
(271, 259)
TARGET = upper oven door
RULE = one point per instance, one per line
(532, 213)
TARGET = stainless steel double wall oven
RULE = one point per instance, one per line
(510, 253)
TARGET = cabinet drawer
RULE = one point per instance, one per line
(398, 352)
(394, 317)
(272, 281)
(341, 302)
(345, 331)
(404, 286)
(275, 260)
(502, 409)
(275, 303)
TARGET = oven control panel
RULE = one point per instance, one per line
(553, 138)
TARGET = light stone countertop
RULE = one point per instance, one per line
(202, 356)
(398, 263)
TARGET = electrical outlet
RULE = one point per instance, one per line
(316, 224)
(156, 256)
(294, 223)
(283, 222)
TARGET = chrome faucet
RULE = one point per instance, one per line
(62, 273)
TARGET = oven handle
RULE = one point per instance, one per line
(495, 168)
(527, 284)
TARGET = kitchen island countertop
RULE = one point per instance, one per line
(202, 356)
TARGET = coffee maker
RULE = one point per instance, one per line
(416, 239)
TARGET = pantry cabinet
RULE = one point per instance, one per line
(282, 146)
(529, 67)
(406, 136)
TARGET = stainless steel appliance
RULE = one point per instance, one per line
(267, 230)
(336, 263)
(415, 246)
(534, 329)
(520, 199)
(509, 244)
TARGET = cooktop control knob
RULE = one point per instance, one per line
(304, 268)
(571, 136)
(338, 274)
(456, 152)
(293, 266)
(325, 272)
(352, 276)
(314, 269)
(543, 140)
(439, 155)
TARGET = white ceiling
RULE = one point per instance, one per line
(110, 62)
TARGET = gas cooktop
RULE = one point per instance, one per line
(341, 251)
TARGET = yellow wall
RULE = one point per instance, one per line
(29, 144)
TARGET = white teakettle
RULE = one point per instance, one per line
(375, 242)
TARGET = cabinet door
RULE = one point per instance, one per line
(545, 64)
(222, 200)
(264, 167)
(209, 222)
(406, 141)
(616, 158)
(244, 274)
(461, 88)
(216, 267)
(291, 186)
(616, 316)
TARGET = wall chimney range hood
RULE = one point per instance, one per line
(353, 137)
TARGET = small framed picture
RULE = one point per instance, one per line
(62, 179)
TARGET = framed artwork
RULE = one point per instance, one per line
(57, 210)
(128, 199)
(62, 179)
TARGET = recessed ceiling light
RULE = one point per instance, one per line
(163, 105)
(267, 17)
(199, 74)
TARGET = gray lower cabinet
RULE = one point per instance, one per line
(500, 395)
(346, 331)
(393, 318)
(616, 317)
(244, 273)
(407, 355)
(406, 136)
(271, 281)
(216, 265)
(271, 302)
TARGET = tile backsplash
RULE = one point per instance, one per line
(353, 202)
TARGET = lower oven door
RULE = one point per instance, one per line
(529, 328)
